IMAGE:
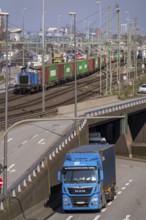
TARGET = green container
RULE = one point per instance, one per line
(85, 66)
(117, 56)
(53, 73)
(80, 67)
(67, 70)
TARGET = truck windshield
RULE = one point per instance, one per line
(79, 175)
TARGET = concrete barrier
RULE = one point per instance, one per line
(88, 104)
(139, 150)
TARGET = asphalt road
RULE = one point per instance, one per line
(130, 201)
(27, 143)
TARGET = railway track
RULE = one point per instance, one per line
(30, 106)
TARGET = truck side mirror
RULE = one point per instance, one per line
(101, 175)
(59, 176)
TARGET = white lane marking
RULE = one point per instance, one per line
(123, 188)
(96, 217)
(24, 142)
(127, 184)
(10, 139)
(127, 217)
(35, 136)
(103, 210)
(10, 168)
(119, 192)
(69, 217)
(41, 141)
(124, 165)
(109, 203)
(130, 181)
(115, 197)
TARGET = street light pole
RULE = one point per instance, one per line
(43, 54)
(6, 109)
(127, 65)
(23, 33)
(135, 48)
(99, 2)
(59, 16)
(58, 29)
(118, 50)
(75, 76)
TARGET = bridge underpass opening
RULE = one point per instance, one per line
(111, 130)
(137, 125)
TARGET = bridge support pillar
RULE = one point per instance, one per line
(125, 141)
(124, 124)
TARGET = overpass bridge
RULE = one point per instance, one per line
(122, 123)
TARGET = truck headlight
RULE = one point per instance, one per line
(66, 202)
(94, 201)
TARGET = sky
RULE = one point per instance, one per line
(56, 13)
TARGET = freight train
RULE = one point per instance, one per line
(30, 79)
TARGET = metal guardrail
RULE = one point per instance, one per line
(115, 107)
(97, 112)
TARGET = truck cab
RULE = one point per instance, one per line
(83, 180)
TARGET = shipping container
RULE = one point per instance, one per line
(60, 72)
(53, 73)
(91, 65)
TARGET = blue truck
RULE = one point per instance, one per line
(88, 177)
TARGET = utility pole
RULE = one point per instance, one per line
(43, 57)
(5, 177)
(75, 80)
(129, 52)
(111, 76)
(99, 2)
(118, 49)
(135, 48)
(23, 37)
(109, 49)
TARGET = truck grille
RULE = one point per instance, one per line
(80, 201)
(80, 190)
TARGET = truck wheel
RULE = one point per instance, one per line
(112, 194)
(104, 203)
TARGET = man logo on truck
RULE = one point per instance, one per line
(80, 190)
(77, 163)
